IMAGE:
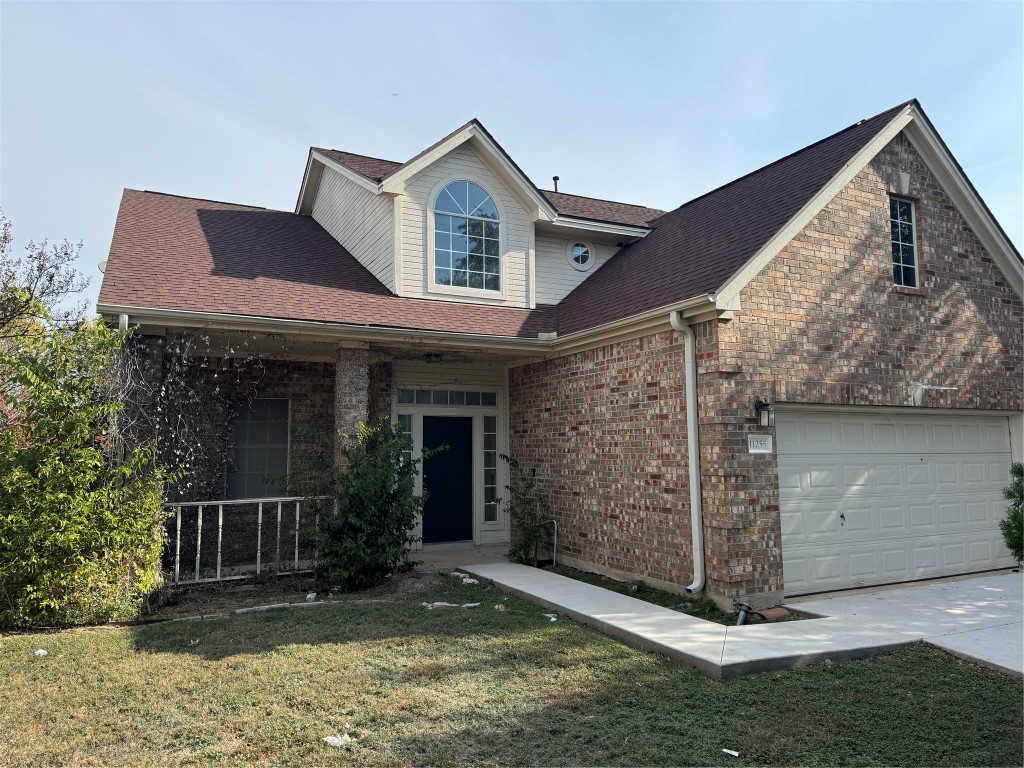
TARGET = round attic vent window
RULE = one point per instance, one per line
(580, 256)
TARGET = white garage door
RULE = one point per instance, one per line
(880, 496)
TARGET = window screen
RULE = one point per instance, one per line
(259, 452)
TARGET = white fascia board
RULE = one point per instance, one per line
(730, 291)
(348, 173)
(310, 182)
(967, 202)
(395, 183)
(602, 227)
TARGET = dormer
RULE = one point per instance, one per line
(461, 222)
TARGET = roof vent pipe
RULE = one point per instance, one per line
(692, 450)
(555, 179)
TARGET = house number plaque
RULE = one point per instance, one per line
(759, 443)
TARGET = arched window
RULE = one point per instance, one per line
(466, 238)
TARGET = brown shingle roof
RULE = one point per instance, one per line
(372, 168)
(603, 210)
(696, 248)
(195, 255)
(376, 170)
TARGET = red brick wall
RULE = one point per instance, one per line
(823, 323)
(826, 324)
(605, 431)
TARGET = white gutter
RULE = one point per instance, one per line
(626, 230)
(692, 450)
(695, 309)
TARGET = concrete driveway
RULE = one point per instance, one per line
(979, 618)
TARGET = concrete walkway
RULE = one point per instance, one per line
(980, 618)
(715, 649)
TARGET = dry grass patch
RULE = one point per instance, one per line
(470, 687)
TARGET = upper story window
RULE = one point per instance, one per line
(581, 256)
(904, 243)
(466, 242)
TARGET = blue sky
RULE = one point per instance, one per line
(651, 103)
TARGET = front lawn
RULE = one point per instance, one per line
(461, 686)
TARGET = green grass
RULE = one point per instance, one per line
(470, 686)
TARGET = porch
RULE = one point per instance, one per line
(263, 406)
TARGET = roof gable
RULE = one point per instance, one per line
(381, 175)
(714, 245)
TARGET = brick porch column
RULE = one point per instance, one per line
(351, 395)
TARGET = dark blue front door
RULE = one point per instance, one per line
(448, 478)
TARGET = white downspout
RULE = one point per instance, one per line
(692, 450)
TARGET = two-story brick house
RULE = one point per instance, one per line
(625, 355)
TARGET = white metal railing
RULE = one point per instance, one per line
(276, 506)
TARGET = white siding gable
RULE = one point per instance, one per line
(556, 277)
(362, 222)
(417, 232)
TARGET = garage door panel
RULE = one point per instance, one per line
(994, 437)
(922, 518)
(859, 520)
(893, 561)
(970, 436)
(862, 564)
(891, 519)
(875, 498)
(883, 436)
(888, 476)
(925, 558)
(981, 551)
(828, 568)
(946, 473)
(852, 433)
(999, 473)
(951, 514)
(974, 472)
(953, 555)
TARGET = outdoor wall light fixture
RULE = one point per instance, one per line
(765, 414)
(433, 357)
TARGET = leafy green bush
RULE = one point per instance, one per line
(1012, 525)
(369, 536)
(530, 515)
(80, 518)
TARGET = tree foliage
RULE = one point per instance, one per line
(1012, 525)
(80, 520)
(367, 536)
(34, 287)
(79, 513)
